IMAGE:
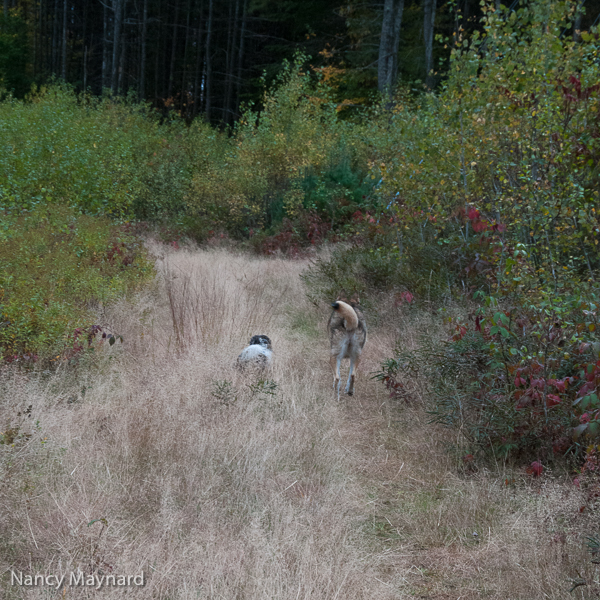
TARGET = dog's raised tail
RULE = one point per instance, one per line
(347, 313)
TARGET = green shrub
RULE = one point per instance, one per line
(55, 266)
(512, 141)
(292, 157)
(60, 149)
(111, 156)
(373, 263)
(103, 156)
(521, 380)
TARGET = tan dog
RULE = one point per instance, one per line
(347, 333)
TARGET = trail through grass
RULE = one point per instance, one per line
(159, 456)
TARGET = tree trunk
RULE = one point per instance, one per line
(105, 53)
(85, 68)
(185, 90)
(428, 22)
(238, 83)
(387, 70)
(156, 56)
(36, 33)
(197, 71)
(85, 45)
(64, 42)
(142, 89)
(173, 53)
(118, 10)
(208, 81)
(5, 8)
(227, 112)
(55, 63)
(577, 21)
(396, 40)
(44, 59)
(385, 50)
(122, 82)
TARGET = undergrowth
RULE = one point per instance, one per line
(57, 268)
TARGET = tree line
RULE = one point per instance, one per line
(208, 57)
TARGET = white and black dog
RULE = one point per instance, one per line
(257, 354)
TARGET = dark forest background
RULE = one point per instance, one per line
(210, 57)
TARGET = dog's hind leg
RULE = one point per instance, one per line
(335, 361)
(354, 362)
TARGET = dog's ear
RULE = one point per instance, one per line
(355, 300)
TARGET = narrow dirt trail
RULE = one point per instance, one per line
(160, 457)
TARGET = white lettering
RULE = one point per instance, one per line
(139, 579)
(14, 577)
(78, 581)
(99, 582)
(121, 580)
(59, 581)
(38, 580)
(107, 582)
(28, 580)
(90, 581)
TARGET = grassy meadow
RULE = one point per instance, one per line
(160, 456)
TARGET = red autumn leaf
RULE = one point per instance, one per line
(552, 400)
(560, 385)
(584, 418)
(535, 468)
(473, 214)
(479, 226)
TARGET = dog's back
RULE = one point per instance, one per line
(347, 331)
(345, 339)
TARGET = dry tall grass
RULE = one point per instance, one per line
(158, 456)
(215, 485)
